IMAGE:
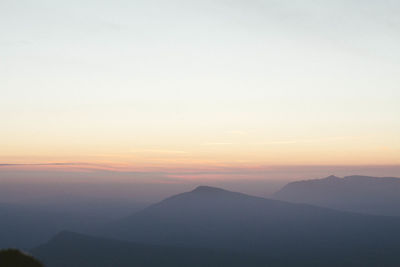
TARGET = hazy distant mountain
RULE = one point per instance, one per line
(71, 249)
(27, 225)
(373, 195)
(24, 227)
(215, 218)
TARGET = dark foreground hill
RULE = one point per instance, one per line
(219, 219)
(372, 195)
(17, 258)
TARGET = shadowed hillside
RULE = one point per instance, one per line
(71, 249)
(27, 225)
(220, 219)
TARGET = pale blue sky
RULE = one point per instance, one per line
(119, 77)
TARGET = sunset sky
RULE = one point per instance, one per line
(183, 84)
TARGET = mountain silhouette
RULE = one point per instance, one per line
(364, 194)
(27, 225)
(23, 227)
(210, 217)
(68, 249)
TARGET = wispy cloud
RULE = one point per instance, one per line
(67, 166)
(42, 164)
(299, 141)
(283, 142)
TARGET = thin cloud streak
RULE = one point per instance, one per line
(161, 151)
(283, 142)
(42, 164)
(317, 140)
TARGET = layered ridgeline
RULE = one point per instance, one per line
(72, 249)
(23, 226)
(218, 219)
(26, 225)
(371, 195)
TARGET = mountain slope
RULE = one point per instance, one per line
(72, 249)
(27, 225)
(371, 195)
(215, 218)
(24, 226)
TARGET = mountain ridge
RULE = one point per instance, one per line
(355, 193)
(220, 219)
(69, 248)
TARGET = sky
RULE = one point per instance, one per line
(194, 86)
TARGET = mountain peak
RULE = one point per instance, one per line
(207, 189)
(332, 177)
(64, 234)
